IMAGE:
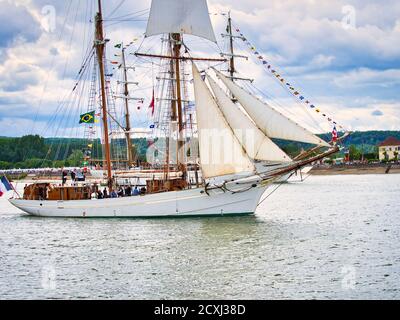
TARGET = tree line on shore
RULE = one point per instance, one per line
(33, 151)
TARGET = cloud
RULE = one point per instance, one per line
(349, 73)
(16, 24)
(300, 29)
(368, 77)
(377, 113)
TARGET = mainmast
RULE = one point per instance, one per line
(175, 18)
(173, 117)
(129, 148)
(176, 38)
(100, 48)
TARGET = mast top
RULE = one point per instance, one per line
(180, 16)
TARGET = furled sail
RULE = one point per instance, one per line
(180, 16)
(257, 145)
(220, 151)
(271, 122)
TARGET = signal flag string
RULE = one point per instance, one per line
(276, 74)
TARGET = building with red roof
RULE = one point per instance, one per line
(389, 149)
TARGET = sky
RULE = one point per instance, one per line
(342, 55)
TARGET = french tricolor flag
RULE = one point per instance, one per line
(4, 186)
(334, 134)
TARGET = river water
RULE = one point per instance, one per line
(330, 237)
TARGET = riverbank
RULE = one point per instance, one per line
(355, 169)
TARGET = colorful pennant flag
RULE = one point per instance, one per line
(278, 76)
(152, 104)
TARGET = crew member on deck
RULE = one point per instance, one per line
(64, 177)
(73, 176)
(136, 191)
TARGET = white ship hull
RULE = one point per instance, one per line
(192, 202)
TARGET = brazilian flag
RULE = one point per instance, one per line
(87, 117)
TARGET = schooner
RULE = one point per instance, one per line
(234, 137)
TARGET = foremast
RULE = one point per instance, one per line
(231, 54)
(232, 59)
(99, 44)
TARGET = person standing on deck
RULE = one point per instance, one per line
(73, 176)
(64, 177)
(136, 191)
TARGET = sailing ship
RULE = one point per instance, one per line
(237, 159)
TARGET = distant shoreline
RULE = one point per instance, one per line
(321, 170)
(355, 169)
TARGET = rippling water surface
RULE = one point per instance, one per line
(328, 237)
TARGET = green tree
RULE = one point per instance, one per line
(354, 153)
(31, 147)
(386, 156)
(291, 149)
(4, 165)
(76, 158)
(58, 164)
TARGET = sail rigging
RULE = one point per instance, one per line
(220, 151)
(257, 145)
(180, 16)
(167, 190)
(271, 122)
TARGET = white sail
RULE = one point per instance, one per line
(220, 152)
(271, 122)
(180, 16)
(257, 145)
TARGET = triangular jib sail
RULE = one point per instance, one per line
(257, 145)
(271, 122)
(180, 16)
(220, 151)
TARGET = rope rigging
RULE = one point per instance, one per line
(283, 81)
